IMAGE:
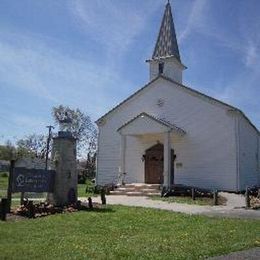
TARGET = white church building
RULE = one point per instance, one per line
(167, 133)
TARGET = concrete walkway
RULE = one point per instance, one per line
(252, 254)
(230, 210)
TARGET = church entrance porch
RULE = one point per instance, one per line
(146, 150)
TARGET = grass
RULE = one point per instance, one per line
(4, 185)
(126, 233)
(186, 200)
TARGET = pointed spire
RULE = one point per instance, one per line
(166, 44)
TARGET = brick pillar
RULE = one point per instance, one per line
(66, 178)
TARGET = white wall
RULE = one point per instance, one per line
(207, 151)
(248, 155)
(172, 69)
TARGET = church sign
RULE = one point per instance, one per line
(32, 180)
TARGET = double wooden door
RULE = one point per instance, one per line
(154, 165)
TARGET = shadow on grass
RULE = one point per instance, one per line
(99, 210)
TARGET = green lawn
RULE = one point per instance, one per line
(4, 185)
(186, 200)
(124, 232)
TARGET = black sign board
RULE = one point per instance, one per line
(32, 180)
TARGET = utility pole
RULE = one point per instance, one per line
(48, 145)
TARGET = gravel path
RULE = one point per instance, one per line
(220, 211)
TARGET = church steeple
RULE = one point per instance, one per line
(166, 44)
(166, 58)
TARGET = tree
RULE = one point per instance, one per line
(7, 151)
(87, 168)
(79, 124)
(10, 152)
(34, 144)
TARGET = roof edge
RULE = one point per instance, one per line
(161, 122)
(200, 94)
(125, 100)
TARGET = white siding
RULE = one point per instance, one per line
(143, 125)
(248, 155)
(172, 70)
(207, 151)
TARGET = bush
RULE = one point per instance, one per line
(81, 179)
(4, 174)
(90, 188)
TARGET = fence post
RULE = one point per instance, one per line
(9, 190)
(193, 194)
(247, 197)
(103, 196)
(31, 209)
(22, 198)
(3, 209)
(215, 197)
(90, 204)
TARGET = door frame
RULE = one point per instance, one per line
(173, 157)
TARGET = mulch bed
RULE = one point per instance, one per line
(44, 209)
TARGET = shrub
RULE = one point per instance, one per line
(4, 174)
(90, 188)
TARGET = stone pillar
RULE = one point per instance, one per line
(66, 177)
(167, 160)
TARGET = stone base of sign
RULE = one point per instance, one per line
(66, 178)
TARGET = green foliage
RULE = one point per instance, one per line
(90, 187)
(30, 146)
(126, 233)
(4, 175)
(7, 151)
(86, 190)
(87, 168)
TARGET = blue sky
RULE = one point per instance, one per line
(90, 54)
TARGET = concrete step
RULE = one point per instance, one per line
(142, 186)
(117, 192)
(149, 190)
(137, 189)
(134, 193)
(153, 194)
(125, 189)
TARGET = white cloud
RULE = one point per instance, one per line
(252, 54)
(113, 24)
(195, 20)
(35, 67)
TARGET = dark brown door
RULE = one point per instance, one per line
(154, 164)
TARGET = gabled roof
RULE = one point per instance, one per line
(166, 45)
(158, 120)
(188, 89)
